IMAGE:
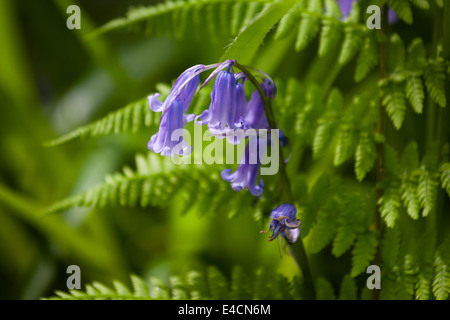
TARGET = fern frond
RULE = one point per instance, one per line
(309, 25)
(427, 190)
(331, 29)
(402, 9)
(327, 122)
(209, 284)
(344, 239)
(394, 101)
(324, 290)
(391, 247)
(435, 81)
(367, 59)
(363, 252)
(445, 176)
(127, 119)
(99, 291)
(365, 155)
(422, 4)
(155, 179)
(409, 163)
(346, 143)
(322, 232)
(288, 23)
(390, 202)
(353, 37)
(441, 281)
(171, 17)
(349, 290)
(415, 92)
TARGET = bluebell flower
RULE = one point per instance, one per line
(222, 110)
(183, 89)
(284, 222)
(246, 174)
(174, 108)
(173, 118)
(255, 116)
(346, 7)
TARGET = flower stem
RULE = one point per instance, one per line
(297, 251)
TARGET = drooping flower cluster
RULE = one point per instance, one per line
(284, 222)
(228, 111)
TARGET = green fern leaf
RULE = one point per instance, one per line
(324, 290)
(409, 163)
(309, 25)
(344, 240)
(416, 59)
(415, 92)
(391, 247)
(140, 288)
(435, 81)
(403, 10)
(365, 155)
(324, 131)
(422, 4)
(244, 47)
(394, 101)
(349, 290)
(390, 202)
(441, 282)
(445, 176)
(288, 23)
(322, 232)
(353, 38)
(427, 190)
(346, 144)
(217, 284)
(367, 59)
(331, 29)
(363, 252)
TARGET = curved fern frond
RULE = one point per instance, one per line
(403, 10)
(130, 118)
(394, 101)
(445, 176)
(173, 17)
(209, 284)
(363, 252)
(435, 81)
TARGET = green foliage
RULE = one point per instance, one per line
(309, 25)
(196, 285)
(127, 119)
(394, 101)
(174, 17)
(324, 290)
(349, 290)
(403, 10)
(363, 252)
(347, 167)
(435, 81)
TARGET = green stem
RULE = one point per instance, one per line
(298, 250)
(380, 147)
